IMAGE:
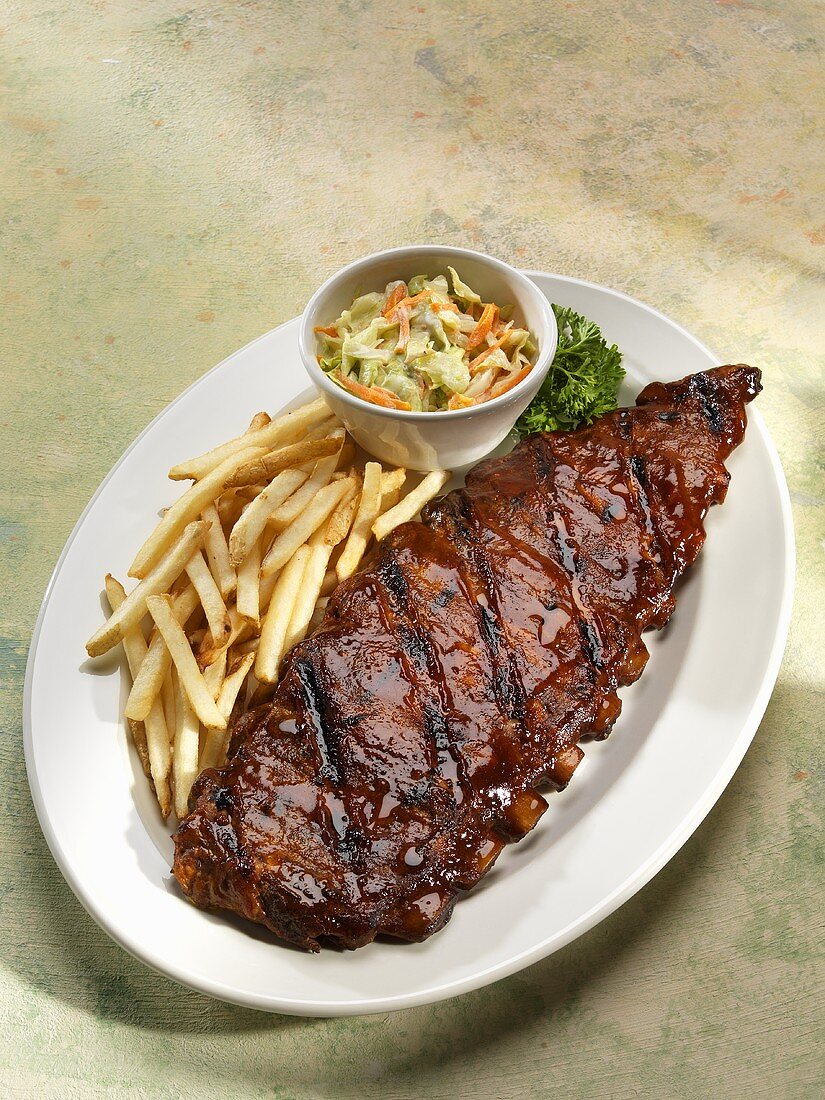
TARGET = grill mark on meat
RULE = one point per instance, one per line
(637, 465)
(222, 798)
(592, 644)
(393, 578)
(414, 647)
(437, 727)
(708, 404)
(510, 682)
(226, 836)
(508, 686)
(453, 516)
(383, 846)
(445, 597)
(542, 462)
(591, 636)
(420, 648)
(639, 472)
(315, 705)
(564, 578)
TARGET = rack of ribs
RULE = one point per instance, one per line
(451, 681)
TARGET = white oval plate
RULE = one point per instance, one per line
(632, 804)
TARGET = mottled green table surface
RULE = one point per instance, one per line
(176, 179)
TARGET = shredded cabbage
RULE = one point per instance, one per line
(461, 290)
(411, 342)
(446, 369)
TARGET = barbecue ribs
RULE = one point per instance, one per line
(455, 676)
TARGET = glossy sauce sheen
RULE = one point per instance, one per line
(453, 679)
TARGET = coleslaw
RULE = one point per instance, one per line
(423, 347)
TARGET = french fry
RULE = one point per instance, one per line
(246, 493)
(154, 727)
(160, 755)
(347, 455)
(263, 469)
(167, 698)
(390, 500)
(233, 684)
(368, 509)
(208, 652)
(248, 599)
(286, 427)
(392, 480)
(185, 509)
(214, 747)
(294, 505)
(276, 518)
(258, 421)
(253, 519)
(217, 617)
(265, 589)
(323, 428)
(309, 520)
(340, 522)
(133, 608)
(134, 645)
(229, 508)
(183, 658)
(318, 614)
(250, 646)
(138, 732)
(310, 590)
(149, 679)
(213, 674)
(262, 694)
(273, 634)
(185, 754)
(409, 507)
(217, 552)
(391, 484)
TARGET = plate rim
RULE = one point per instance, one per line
(607, 905)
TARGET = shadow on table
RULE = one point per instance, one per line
(66, 955)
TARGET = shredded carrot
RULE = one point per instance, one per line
(488, 319)
(446, 307)
(397, 403)
(397, 294)
(511, 380)
(479, 359)
(376, 395)
(330, 330)
(459, 401)
(405, 303)
(403, 318)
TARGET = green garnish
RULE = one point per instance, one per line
(583, 380)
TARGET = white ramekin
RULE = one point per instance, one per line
(447, 440)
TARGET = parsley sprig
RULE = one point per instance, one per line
(583, 380)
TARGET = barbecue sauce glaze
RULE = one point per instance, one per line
(452, 680)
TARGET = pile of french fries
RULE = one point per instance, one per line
(238, 571)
